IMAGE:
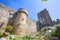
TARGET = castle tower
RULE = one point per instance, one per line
(44, 18)
(20, 22)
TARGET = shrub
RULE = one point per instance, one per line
(9, 29)
(20, 38)
(1, 34)
(28, 38)
(44, 29)
(56, 32)
(11, 37)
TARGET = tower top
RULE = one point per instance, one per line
(43, 11)
(23, 10)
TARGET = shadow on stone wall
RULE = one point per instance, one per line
(38, 26)
(11, 20)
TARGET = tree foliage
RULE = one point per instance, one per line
(43, 0)
(9, 29)
(57, 32)
(44, 29)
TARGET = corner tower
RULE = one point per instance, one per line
(20, 22)
(44, 18)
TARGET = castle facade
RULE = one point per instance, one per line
(22, 24)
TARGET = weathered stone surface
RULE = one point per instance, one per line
(20, 21)
(31, 26)
(5, 34)
(44, 18)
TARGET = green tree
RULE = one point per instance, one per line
(57, 32)
(43, 0)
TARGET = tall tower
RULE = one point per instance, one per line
(44, 17)
(20, 22)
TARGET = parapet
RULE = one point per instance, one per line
(23, 10)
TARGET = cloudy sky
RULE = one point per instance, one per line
(35, 6)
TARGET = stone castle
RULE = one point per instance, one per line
(20, 21)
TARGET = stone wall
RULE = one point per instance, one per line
(31, 26)
(44, 18)
(4, 18)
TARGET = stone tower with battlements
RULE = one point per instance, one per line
(44, 18)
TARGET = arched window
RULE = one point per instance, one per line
(10, 15)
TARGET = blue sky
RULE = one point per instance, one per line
(35, 6)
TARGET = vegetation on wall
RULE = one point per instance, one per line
(1, 34)
(37, 36)
(9, 29)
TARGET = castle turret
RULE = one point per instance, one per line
(44, 18)
(20, 22)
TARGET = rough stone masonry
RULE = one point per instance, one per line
(20, 21)
(22, 24)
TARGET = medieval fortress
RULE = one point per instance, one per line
(20, 21)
